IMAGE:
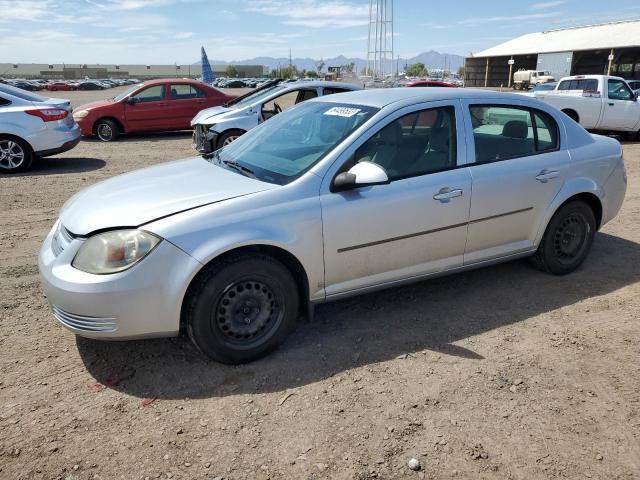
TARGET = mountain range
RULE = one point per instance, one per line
(431, 59)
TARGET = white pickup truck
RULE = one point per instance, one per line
(598, 102)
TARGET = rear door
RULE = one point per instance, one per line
(621, 109)
(518, 165)
(185, 101)
(147, 109)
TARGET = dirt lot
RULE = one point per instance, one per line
(500, 373)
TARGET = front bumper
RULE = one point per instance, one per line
(141, 302)
(204, 139)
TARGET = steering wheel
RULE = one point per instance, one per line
(277, 108)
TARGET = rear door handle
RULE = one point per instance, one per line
(545, 175)
(611, 104)
(446, 194)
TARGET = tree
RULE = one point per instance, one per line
(232, 71)
(349, 67)
(289, 72)
(416, 70)
(312, 74)
(461, 71)
(320, 65)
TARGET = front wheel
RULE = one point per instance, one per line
(241, 308)
(228, 137)
(567, 240)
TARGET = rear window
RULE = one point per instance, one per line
(23, 94)
(589, 84)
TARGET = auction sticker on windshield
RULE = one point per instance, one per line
(342, 111)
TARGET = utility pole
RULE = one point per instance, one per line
(380, 48)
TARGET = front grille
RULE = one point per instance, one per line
(83, 323)
(61, 240)
(198, 137)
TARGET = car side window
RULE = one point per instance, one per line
(307, 95)
(332, 90)
(151, 94)
(503, 132)
(618, 90)
(181, 91)
(4, 102)
(416, 144)
(284, 101)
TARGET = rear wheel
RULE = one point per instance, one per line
(107, 130)
(241, 308)
(15, 155)
(567, 240)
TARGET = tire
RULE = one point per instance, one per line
(567, 239)
(241, 308)
(107, 130)
(15, 155)
(227, 137)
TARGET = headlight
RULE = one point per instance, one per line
(114, 251)
(80, 113)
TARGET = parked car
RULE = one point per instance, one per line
(235, 84)
(91, 85)
(54, 86)
(216, 127)
(598, 102)
(338, 196)
(32, 126)
(24, 85)
(430, 83)
(156, 105)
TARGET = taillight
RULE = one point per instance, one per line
(49, 114)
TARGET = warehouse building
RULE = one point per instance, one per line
(609, 48)
(69, 71)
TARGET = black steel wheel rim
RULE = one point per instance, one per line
(247, 313)
(570, 238)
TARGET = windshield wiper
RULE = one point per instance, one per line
(247, 172)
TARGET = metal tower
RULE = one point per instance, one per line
(380, 43)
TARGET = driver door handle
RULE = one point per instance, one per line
(545, 175)
(446, 194)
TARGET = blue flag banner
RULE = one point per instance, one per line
(207, 73)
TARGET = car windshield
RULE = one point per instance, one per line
(23, 94)
(124, 94)
(257, 96)
(289, 144)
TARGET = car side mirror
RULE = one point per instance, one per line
(362, 174)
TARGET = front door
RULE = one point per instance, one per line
(416, 224)
(517, 171)
(621, 111)
(145, 110)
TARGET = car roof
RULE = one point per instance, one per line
(320, 83)
(382, 97)
(160, 81)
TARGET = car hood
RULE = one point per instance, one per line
(139, 197)
(205, 117)
(96, 104)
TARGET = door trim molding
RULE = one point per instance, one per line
(428, 232)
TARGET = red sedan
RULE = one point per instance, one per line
(53, 86)
(153, 106)
(431, 83)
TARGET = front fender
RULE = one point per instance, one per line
(572, 187)
(245, 123)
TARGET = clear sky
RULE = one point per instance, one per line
(171, 31)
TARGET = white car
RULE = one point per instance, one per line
(33, 126)
(216, 127)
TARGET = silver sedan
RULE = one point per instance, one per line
(338, 196)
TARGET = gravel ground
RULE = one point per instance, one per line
(499, 373)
